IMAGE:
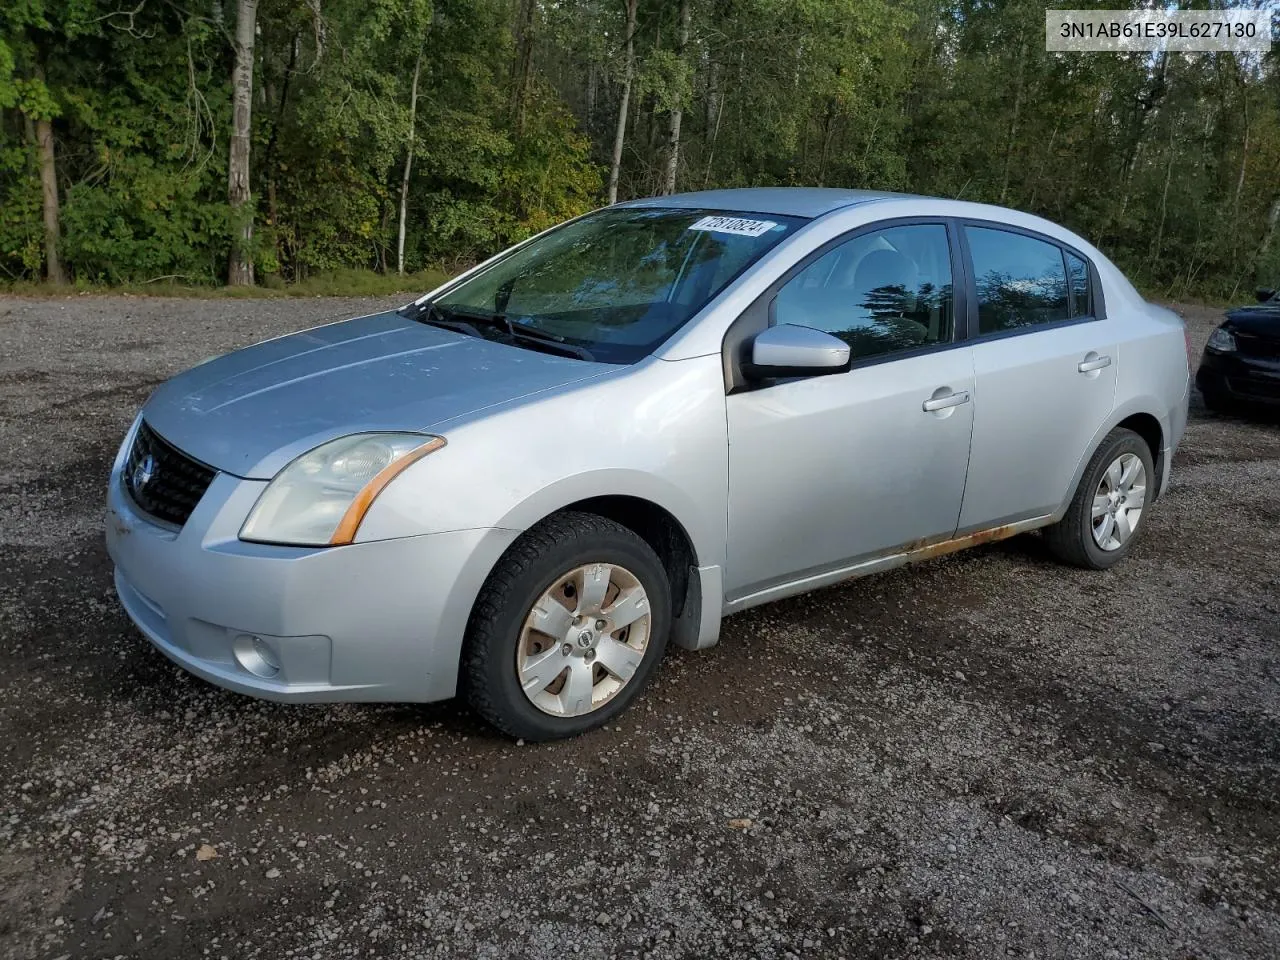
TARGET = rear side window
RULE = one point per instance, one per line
(1078, 275)
(1021, 281)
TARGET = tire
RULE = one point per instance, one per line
(1072, 539)
(561, 562)
(1214, 396)
(1217, 402)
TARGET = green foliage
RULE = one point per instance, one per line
(343, 282)
(21, 244)
(666, 78)
(1170, 164)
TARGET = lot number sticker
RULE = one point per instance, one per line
(735, 225)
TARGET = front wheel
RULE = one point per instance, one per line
(568, 628)
(1216, 401)
(1213, 391)
(1099, 528)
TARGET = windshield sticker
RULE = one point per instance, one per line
(735, 225)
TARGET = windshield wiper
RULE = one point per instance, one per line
(528, 331)
(432, 315)
(467, 322)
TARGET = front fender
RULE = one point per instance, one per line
(615, 482)
(656, 432)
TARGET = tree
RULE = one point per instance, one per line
(408, 163)
(677, 112)
(25, 25)
(48, 187)
(628, 75)
(240, 268)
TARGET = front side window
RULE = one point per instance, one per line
(880, 292)
(1021, 280)
(616, 283)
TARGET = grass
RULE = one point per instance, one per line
(349, 282)
(335, 283)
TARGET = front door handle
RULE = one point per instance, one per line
(934, 404)
(1090, 364)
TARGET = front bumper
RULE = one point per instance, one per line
(1251, 380)
(381, 621)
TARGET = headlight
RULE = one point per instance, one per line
(321, 497)
(1222, 341)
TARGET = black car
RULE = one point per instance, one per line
(1241, 362)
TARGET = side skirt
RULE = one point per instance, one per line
(911, 553)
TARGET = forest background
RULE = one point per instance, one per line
(276, 143)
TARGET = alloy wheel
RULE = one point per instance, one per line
(1118, 502)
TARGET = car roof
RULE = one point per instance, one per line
(782, 201)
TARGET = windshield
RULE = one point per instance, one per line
(619, 282)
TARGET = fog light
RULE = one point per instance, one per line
(256, 656)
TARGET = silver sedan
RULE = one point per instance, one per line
(523, 485)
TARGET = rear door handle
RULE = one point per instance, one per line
(941, 403)
(1097, 363)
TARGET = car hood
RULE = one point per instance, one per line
(1261, 321)
(250, 412)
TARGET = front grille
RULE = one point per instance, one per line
(162, 480)
(1250, 346)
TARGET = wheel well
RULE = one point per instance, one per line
(1148, 428)
(656, 527)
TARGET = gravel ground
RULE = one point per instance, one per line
(985, 755)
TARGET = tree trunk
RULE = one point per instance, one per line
(677, 115)
(828, 134)
(1273, 223)
(522, 69)
(1164, 200)
(49, 188)
(408, 163)
(714, 109)
(41, 131)
(711, 67)
(1265, 260)
(1013, 123)
(240, 268)
(269, 165)
(620, 135)
(318, 24)
(1244, 157)
(592, 79)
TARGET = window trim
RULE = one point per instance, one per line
(1067, 253)
(1097, 301)
(761, 315)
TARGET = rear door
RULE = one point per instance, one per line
(1045, 365)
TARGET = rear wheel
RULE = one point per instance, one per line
(1099, 528)
(567, 630)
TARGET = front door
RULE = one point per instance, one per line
(829, 470)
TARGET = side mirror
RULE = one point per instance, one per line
(1265, 294)
(788, 350)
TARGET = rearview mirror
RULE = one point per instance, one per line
(788, 350)
(1265, 294)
